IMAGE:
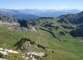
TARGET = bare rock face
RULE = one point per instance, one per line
(15, 24)
(16, 27)
(19, 28)
(31, 28)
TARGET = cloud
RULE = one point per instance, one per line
(62, 8)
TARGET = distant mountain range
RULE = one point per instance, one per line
(33, 14)
(18, 14)
(50, 12)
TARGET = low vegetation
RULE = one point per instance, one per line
(59, 38)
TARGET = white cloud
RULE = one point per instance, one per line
(62, 8)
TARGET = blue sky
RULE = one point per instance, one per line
(41, 4)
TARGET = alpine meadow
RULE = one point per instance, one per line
(41, 32)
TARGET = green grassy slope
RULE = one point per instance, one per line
(66, 49)
(54, 34)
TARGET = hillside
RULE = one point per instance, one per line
(59, 38)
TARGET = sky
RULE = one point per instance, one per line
(41, 4)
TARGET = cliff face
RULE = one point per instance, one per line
(15, 24)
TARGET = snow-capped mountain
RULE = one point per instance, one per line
(50, 12)
(18, 14)
(30, 14)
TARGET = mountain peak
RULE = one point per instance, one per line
(39, 12)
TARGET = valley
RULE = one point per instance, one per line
(58, 38)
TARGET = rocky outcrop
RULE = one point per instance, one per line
(15, 24)
(24, 44)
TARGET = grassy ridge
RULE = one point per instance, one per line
(69, 50)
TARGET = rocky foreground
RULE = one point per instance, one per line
(27, 56)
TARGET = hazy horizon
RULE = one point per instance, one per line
(41, 4)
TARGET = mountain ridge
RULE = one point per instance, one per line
(33, 14)
(59, 38)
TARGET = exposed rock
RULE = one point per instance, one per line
(6, 51)
(40, 54)
(32, 28)
(16, 25)
(30, 58)
(3, 59)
